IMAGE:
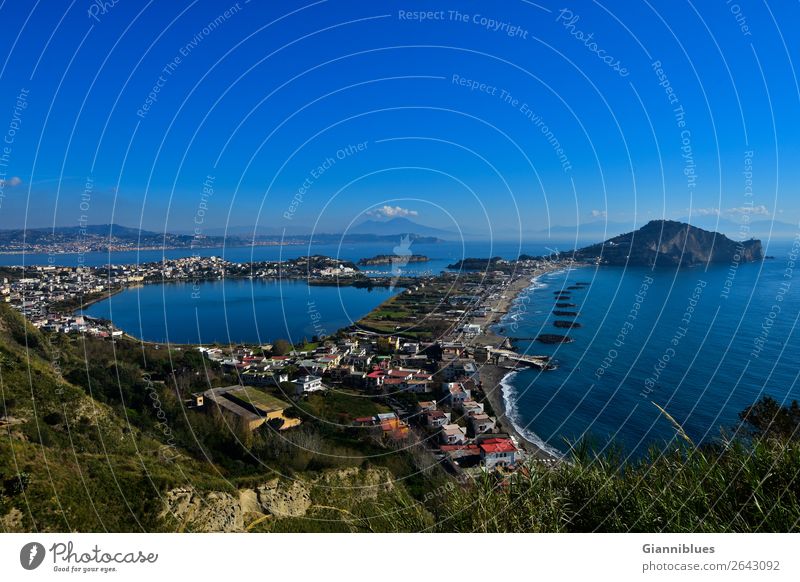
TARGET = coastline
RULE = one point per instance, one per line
(494, 378)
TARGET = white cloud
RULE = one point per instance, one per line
(13, 181)
(392, 212)
(760, 210)
(737, 211)
(599, 213)
(704, 211)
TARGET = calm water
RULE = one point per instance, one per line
(689, 348)
(236, 311)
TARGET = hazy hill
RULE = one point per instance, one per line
(98, 235)
(398, 226)
(102, 236)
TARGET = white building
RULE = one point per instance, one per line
(307, 384)
(452, 434)
(471, 329)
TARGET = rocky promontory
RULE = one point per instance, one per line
(667, 242)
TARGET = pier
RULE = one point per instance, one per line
(538, 362)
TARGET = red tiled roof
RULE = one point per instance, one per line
(497, 446)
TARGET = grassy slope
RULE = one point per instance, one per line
(93, 454)
(753, 487)
(87, 469)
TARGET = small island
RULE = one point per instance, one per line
(390, 259)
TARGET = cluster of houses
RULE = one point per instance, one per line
(434, 390)
(474, 441)
(36, 291)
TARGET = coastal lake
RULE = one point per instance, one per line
(703, 344)
(234, 311)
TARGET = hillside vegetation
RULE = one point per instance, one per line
(95, 436)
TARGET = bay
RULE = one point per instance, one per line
(441, 254)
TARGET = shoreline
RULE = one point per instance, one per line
(493, 377)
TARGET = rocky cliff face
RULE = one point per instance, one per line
(666, 242)
(342, 490)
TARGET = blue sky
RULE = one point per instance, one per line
(505, 118)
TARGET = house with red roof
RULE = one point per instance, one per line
(497, 452)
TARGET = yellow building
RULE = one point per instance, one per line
(388, 344)
(250, 405)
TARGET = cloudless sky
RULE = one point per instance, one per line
(260, 107)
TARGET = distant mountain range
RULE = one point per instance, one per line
(668, 242)
(113, 236)
(399, 226)
(95, 236)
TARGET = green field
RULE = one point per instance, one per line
(260, 399)
(341, 406)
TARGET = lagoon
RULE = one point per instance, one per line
(236, 311)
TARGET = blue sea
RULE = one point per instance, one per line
(701, 344)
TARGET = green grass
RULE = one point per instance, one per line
(738, 487)
(341, 406)
(308, 347)
(260, 399)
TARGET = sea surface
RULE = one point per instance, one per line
(235, 311)
(701, 344)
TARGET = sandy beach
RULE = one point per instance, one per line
(492, 375)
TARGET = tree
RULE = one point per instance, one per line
(768, 418)
(281, 347)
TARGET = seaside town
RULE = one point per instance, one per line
(49, 295)
(428, 358)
